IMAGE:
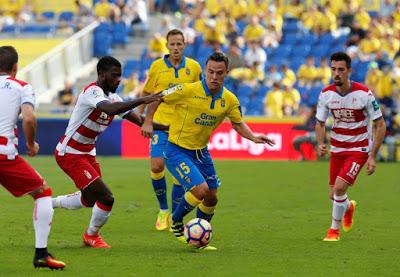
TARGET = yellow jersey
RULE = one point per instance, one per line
(198, 113)
(164, 75)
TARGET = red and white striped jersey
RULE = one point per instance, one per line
(351, 130)
(13, 93)
(86, 122)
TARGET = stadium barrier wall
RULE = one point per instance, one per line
(123, 138)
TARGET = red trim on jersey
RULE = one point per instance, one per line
(345, 144)
(80, 146)
(350, 132)
(3, 141)
(103, 207)
(357, 114)
(85, 131)
(358, 86)
(88, 86)
(329, 88)
(47, 192)
(22, 83)
(16, 132)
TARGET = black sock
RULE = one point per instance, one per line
(41, 253)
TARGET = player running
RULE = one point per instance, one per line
(352, 106)
(200, 108)
(164, 73)
(16, 175)
(76, 153)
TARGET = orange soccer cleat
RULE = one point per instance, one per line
(48, 262)
(348, 218)
(95, 241)
(332, 235)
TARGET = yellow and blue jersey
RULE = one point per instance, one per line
(164, 75)
(198, 113)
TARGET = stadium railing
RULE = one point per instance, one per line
(69, 60)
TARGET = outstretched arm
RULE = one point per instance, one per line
(379, 135)
(244, 130)
(139, 120)
(121, 107)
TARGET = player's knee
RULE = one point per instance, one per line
(106, 199)
(157, 167)
(201, 191)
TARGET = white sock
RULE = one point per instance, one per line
(340, 204)
(99, 218)
(70, 201)
(42, 217)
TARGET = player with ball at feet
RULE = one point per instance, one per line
(200, 108)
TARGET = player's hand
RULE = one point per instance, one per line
(321, 149)
(32, 150)
(152, 98)
(147, 130)
(263, 139)
(370, 166)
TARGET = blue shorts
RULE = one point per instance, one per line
(158, 143)
(191, 167)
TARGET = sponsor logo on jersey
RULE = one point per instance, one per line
(375, 105)
(344, 115)
(206, 120)
(6, 86)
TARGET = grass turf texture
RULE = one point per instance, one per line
(270, 220)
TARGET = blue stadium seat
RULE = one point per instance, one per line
(120, 33)
(290, 26)
(326, 39)
(289, 39)
(36, 28)
(244, 91)
(308, 39)
(261, 93)
(282, 51)
(301, 51)
(130, 66)
(49, 15)
(296, 62)
(9, 29)
(320, 50)
(241, 24)
(67, 16)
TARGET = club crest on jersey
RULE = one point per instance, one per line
(187, 71)
(103, 115)
(222, 103)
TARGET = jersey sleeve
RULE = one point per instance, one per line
(235, 112)
(176, 94)
(372, 107)
(322, 109)
(93, 96)
(198, 75)
(150, 84)
(28, 95)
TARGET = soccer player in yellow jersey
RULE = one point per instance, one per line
(200, 108)
(165, 73)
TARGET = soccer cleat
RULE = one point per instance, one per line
(207, 248)
(95, 241)
(48, 262)
(348, 218)
(332, 235)
(178, 228)
(162, 222)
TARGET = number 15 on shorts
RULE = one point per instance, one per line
(182, 170)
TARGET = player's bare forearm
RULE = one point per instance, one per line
(320, 137)
(139, 120)
(121, 107)
(320, 132)
(28, 124)
(244, 130)
(147, 127)
(379, 135)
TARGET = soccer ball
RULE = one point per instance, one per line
(198, 232)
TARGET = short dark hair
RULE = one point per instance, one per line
(341, 56)
(218, 57)
(106, 62)
(8, 57)
(175, 32)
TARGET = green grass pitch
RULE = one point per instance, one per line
(270, 220)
